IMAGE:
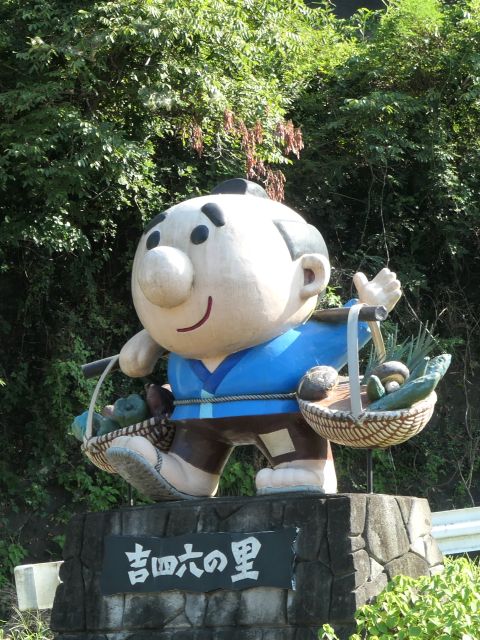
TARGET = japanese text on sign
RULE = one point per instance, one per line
(244, 552)
(198, 562)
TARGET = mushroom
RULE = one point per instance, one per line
(107, 412)
(317, 383)
(392, 375)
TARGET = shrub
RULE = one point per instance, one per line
(26, 625)
(442, 607)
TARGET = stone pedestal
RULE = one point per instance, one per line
(348, 547)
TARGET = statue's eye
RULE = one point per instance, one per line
(199, 234)
(153, 240)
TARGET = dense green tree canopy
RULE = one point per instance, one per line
(111, 111)
(391, 174)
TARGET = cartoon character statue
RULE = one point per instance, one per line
(227, 283)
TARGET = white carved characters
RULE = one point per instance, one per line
(143, 564)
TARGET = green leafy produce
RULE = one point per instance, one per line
(420, 370)
(101, 425)
(129, 410)
(412, 351)
(439, 365)
(79, 425)
(415, 389)
(106, 425)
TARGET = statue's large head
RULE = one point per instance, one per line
(224, 272)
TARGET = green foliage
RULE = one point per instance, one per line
(238, 477)
(397, 127)
(11, 554)
(442, 607)
(26, 625)
(331, 298)
(109, 113)
(390, 175)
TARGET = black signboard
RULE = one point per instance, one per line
(198, 562)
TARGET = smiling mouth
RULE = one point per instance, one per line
(206, 315)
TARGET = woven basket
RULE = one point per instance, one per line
(159, 431)
(341, 418)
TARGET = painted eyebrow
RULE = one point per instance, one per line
(160, 217)
(213, 213)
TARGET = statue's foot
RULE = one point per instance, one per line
(160, 476)
(142, 475)
(314, 476)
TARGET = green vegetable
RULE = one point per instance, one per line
(106, 425)
(418, 387)
(375, 389)
(79, 425)
(439, 364)
(411, 392)
(420, 370)
(129, 410)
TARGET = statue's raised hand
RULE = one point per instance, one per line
(384, 289)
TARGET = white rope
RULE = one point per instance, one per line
(91, 408)
(353, 364)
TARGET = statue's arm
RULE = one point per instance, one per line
(139, 355)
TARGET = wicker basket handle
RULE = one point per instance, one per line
(352, 354)
(93, 401)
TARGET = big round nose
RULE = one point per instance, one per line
(166, 276)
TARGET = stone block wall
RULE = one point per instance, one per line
(348, 547)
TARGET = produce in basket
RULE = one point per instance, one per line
(159, 400)
(129, 410)
(416, 388)
(396, 414)
(125, 412)
(227, 284)
(386, 378)
(101, 425)
(317, 383)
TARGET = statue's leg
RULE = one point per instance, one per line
(301, 459)
(191, 468)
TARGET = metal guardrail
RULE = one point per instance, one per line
(457, 531)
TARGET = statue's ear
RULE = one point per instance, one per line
(316, 274)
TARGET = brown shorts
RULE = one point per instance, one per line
(206, 443)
